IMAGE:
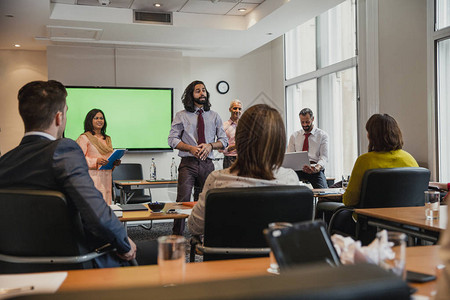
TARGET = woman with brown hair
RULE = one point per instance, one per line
(97, 147)
(385, 151)
(260, 145)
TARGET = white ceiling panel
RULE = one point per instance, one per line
(200, 28)
(207, 7)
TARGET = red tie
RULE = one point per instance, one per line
(306, 142)
(200, 128)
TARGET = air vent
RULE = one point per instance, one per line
(152, 18)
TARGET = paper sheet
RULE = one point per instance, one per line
(184, 211)
(41, 283)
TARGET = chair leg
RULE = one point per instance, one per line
(147, 227)
(192, 254)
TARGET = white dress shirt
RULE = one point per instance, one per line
(318, 145)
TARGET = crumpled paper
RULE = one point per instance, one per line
(351, 251)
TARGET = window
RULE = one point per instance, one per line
(320, 65)
(442, 14)
(443, 99)
(300, 51)
(440, 60)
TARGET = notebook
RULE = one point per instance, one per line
(303, 243)
(296, 160)
(133, 207)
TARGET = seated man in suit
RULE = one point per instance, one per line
(44, 160)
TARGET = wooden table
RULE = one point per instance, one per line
(403, 218)
(126, 187)
(421, 259)
(144, 215)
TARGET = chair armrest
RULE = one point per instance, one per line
(336, 213)
(195, 240)
(329, 206)
(224, 250)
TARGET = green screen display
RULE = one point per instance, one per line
(137, 118)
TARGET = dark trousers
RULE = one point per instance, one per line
(228, 161)
(192, 173)
(317, 180)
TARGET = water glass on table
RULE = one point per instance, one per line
(432, 204)
(171, 259)
(345, 180)
(392, 252)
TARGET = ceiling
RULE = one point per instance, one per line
(201, 28)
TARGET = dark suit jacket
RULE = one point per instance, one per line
(39, 163)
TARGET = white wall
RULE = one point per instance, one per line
(249, 77)
(403, 70)
(16, 69)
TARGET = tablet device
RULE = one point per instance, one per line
(296, 160)
(303, 243)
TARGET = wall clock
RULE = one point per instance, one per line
(223, 87)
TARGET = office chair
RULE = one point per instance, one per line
(391, 187)
(130, 172)
(38, 233)
(236, 217)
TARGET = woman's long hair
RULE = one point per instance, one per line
(188, 97)
(260, 142)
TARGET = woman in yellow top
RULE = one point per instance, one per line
(97, 147)
(385, 151)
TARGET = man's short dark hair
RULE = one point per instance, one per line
(39, 101)
(306, 111)
(188, 97)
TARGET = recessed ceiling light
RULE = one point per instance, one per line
(269, 33)
(17, 45)
(242, 9)
(157, 5)
(9, 16)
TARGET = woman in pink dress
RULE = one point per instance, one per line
(97, 147)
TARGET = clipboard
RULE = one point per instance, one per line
(117, 154)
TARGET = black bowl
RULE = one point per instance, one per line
(156, 207)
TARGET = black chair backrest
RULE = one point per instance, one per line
(130, 171)
(394, 187)
(38, 223)
(236, 217)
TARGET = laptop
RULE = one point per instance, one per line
(296, 160)
(303, 243)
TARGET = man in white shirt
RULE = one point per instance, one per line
(315, 141)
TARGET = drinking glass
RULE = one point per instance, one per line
(432, 204)
(273, 267)
(171, 259)
(392, 252)
(345, 180)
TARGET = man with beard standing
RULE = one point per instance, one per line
(229, 154)
(194, 132)
(315, 141)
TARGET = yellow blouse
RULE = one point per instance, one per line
(374, 160)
